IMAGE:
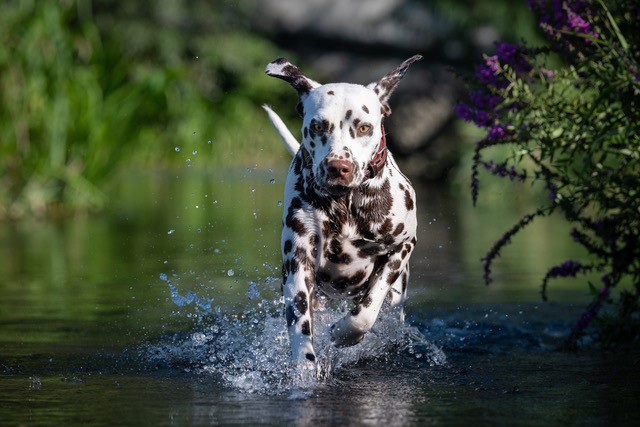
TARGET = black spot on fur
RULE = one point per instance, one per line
(301, 256)
(297, 226)
(297, 166)
(399, 229)
(393, 277)
(347, 116)
(326, 228)
(306, 328)
(386, 226)
(287, 246)
(291, 266)
(336, 255)
(296, 204)
(290, 316)
(359, 276)
(330, 93)
(301, 303)
(408, 201)
(365, 109)
(323, 276)
(310, 357)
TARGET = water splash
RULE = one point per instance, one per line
(249, 350)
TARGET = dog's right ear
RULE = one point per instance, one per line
(285, 70)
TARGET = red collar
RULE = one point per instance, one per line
(379, 158)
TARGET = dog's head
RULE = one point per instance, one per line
(342, 133)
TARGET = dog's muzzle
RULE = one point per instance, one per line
(339, 175)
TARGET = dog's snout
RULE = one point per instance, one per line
(340, 169)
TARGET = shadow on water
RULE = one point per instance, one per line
(170, 315)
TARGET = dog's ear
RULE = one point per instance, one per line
(285, 70)
(385, 86)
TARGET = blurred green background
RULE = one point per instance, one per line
(90, 89)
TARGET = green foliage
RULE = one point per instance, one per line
(575, 130)
(89, 87)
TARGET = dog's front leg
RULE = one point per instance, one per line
(350, 330)
(298, 315)
(399, 293)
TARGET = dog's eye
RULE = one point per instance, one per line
(317, 127)
(364, 129)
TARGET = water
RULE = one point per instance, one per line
(167, 312)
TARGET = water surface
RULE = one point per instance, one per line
(166, 312)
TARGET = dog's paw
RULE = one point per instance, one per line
(345, 333)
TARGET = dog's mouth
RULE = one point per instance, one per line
(337, 189)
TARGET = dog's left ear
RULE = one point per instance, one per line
(385, 86)
(285, 70)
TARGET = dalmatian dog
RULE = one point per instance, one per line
(349, 221)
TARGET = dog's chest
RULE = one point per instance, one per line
(348, 249)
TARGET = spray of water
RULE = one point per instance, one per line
(248, 350)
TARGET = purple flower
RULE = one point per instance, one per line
(501, 170)
(564, 19)
(568, 268)
(489, 72)
(496, 132)
(548, 74)
(579, 25)
(464, 112)
(576, 22)
(482, 118)
(468, 114)
(514, 56)
(485, 100)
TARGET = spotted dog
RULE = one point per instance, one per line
(349, 221)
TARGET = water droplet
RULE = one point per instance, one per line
(230, 272)
(279, 202)
(188, 162)
(209, 142)
(163, 277)
(177, 149)
(193, 133)
(194, 152)
(272, 181)
(171, 231)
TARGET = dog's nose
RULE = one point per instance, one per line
(340, 169)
